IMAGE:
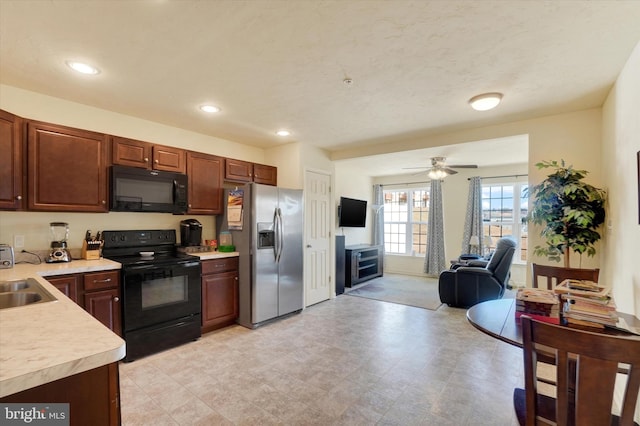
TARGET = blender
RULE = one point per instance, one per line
(59, 235)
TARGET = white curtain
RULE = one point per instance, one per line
(473, 218)
(378, 215)
(434, 261)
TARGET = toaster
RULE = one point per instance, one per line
(6, 256)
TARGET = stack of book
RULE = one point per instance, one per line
(586, 303)
(539, 304)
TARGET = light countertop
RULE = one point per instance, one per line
(43, 342)
(208, 255)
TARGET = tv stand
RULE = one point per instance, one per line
(363, 262)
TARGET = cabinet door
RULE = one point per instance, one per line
(205, 183)
(12, 195)
(129, 152)
(105, 307)
(169, 159)
(66, 169)
(68, 284)
(93, 397)
(267, 175)
(238, 171)
(219, 299)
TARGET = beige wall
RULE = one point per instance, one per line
(59, 111)
(620, 145)
(353, 184)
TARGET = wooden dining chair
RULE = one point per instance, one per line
(587, 364)
(554, 275)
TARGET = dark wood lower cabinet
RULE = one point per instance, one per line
(97, 292)
(70, 285)
(93, 396)
(219, 293)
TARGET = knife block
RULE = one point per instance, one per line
(91, 250)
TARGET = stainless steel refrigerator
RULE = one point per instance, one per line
(271, 252)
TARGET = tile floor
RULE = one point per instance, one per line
(346, 361)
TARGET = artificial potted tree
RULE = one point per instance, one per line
(570, 211)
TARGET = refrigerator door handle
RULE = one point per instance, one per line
(279, 235)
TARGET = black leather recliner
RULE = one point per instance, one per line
(469, 285)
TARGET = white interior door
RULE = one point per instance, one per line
(317, 259)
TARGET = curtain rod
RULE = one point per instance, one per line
(404, 183)
(497, 177)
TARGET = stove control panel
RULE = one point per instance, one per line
(119, 239)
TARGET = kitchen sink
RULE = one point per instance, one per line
(13, 286)
(22, 293)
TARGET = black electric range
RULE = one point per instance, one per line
(161, 290)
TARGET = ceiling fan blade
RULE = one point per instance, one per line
(449, 171)
(410, 168)
(463, 166)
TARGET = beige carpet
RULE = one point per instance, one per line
(402, 289)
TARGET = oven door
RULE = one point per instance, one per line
(154, 294)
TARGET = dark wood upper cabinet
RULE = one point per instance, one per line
(130, 152)
(244, 171)
(67, 168)
(238, 170)
(169, 159)
(12, 183)
(205, 173)
(267, 175)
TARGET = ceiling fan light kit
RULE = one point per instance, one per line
(439, 170)
(438, 173)
(485, 101)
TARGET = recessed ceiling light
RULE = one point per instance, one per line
(486, 101)
(283, 132)
(83, 68)
(210, 108)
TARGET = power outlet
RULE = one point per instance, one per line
(18, 241)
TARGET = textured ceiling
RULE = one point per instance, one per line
(274, 64)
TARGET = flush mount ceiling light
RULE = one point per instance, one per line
(210, 108)
(83, 68)
(283, 132)
(486, 101)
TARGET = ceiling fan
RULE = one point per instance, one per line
(439, 169)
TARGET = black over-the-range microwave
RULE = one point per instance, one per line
(140, 190)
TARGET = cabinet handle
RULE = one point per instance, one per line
(146, 159)
(116, 299)
(236, 278)
(104, 202)
(107, 280)
(19, 197)
(157, 161)
(308, 245)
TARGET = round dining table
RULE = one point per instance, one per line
(497, 318)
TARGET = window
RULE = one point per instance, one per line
(504, 210)
(406, 214)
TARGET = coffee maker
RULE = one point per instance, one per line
(59, 234)
(190, 233)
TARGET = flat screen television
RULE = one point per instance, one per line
(352, 213)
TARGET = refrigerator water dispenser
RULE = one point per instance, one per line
(266, 235)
